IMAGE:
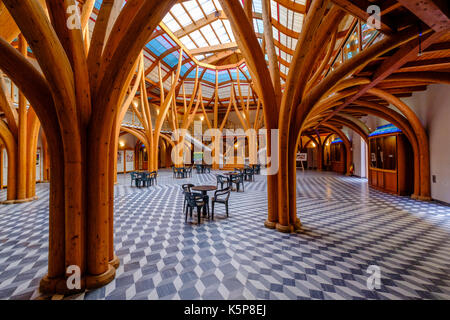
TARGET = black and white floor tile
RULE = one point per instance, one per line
(347, 228)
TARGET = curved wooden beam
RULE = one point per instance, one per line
(400, 122)
(6, 106)
(422, 137)
(349, 157)
(11, 149)
(426, 76)
(346, 69)
(353, 126)
(31, 82)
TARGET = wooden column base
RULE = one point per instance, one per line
(285, 229)
(19, 201)
(270, 225)
(424, 198)
(88, 282)
(290, 228)
(52, 286)
(115, 262)
(297, 225)
(414, 196)
(97, 281)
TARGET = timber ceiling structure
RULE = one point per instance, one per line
(202, 29)
(210, 52)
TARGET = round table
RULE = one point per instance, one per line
(231, 173)
(204, 190)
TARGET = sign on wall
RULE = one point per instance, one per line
(302, 157)
(198, 157)
(129, 160)
(38, 165)
(5, 167)
(120, 161)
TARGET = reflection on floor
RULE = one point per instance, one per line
(347, 228)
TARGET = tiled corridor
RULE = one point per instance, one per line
(347, 228)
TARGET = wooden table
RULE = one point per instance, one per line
(204, 190)
(231, 173)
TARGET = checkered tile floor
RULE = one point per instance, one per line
(347, 228)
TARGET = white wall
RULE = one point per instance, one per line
(359, 156)
(433, 109)
(5, 167)
(129, 142)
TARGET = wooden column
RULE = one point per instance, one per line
(319, 153)
(45, 158)
(33, 126)
(1, 167)
(22, 138)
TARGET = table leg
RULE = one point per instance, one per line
(205, 193)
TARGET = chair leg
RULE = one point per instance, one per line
(226, 208)
(199, 213)
(186, 210)
(212, 210)
(206, 208)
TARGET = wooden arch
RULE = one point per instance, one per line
(11, 150)
(76, 98)
(422, 139)
(400, 122)
(347, 144)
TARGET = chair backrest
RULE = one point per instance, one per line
(133, 175)
(226, 191)
(187, 187)
(222, 179)
(190, 198)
